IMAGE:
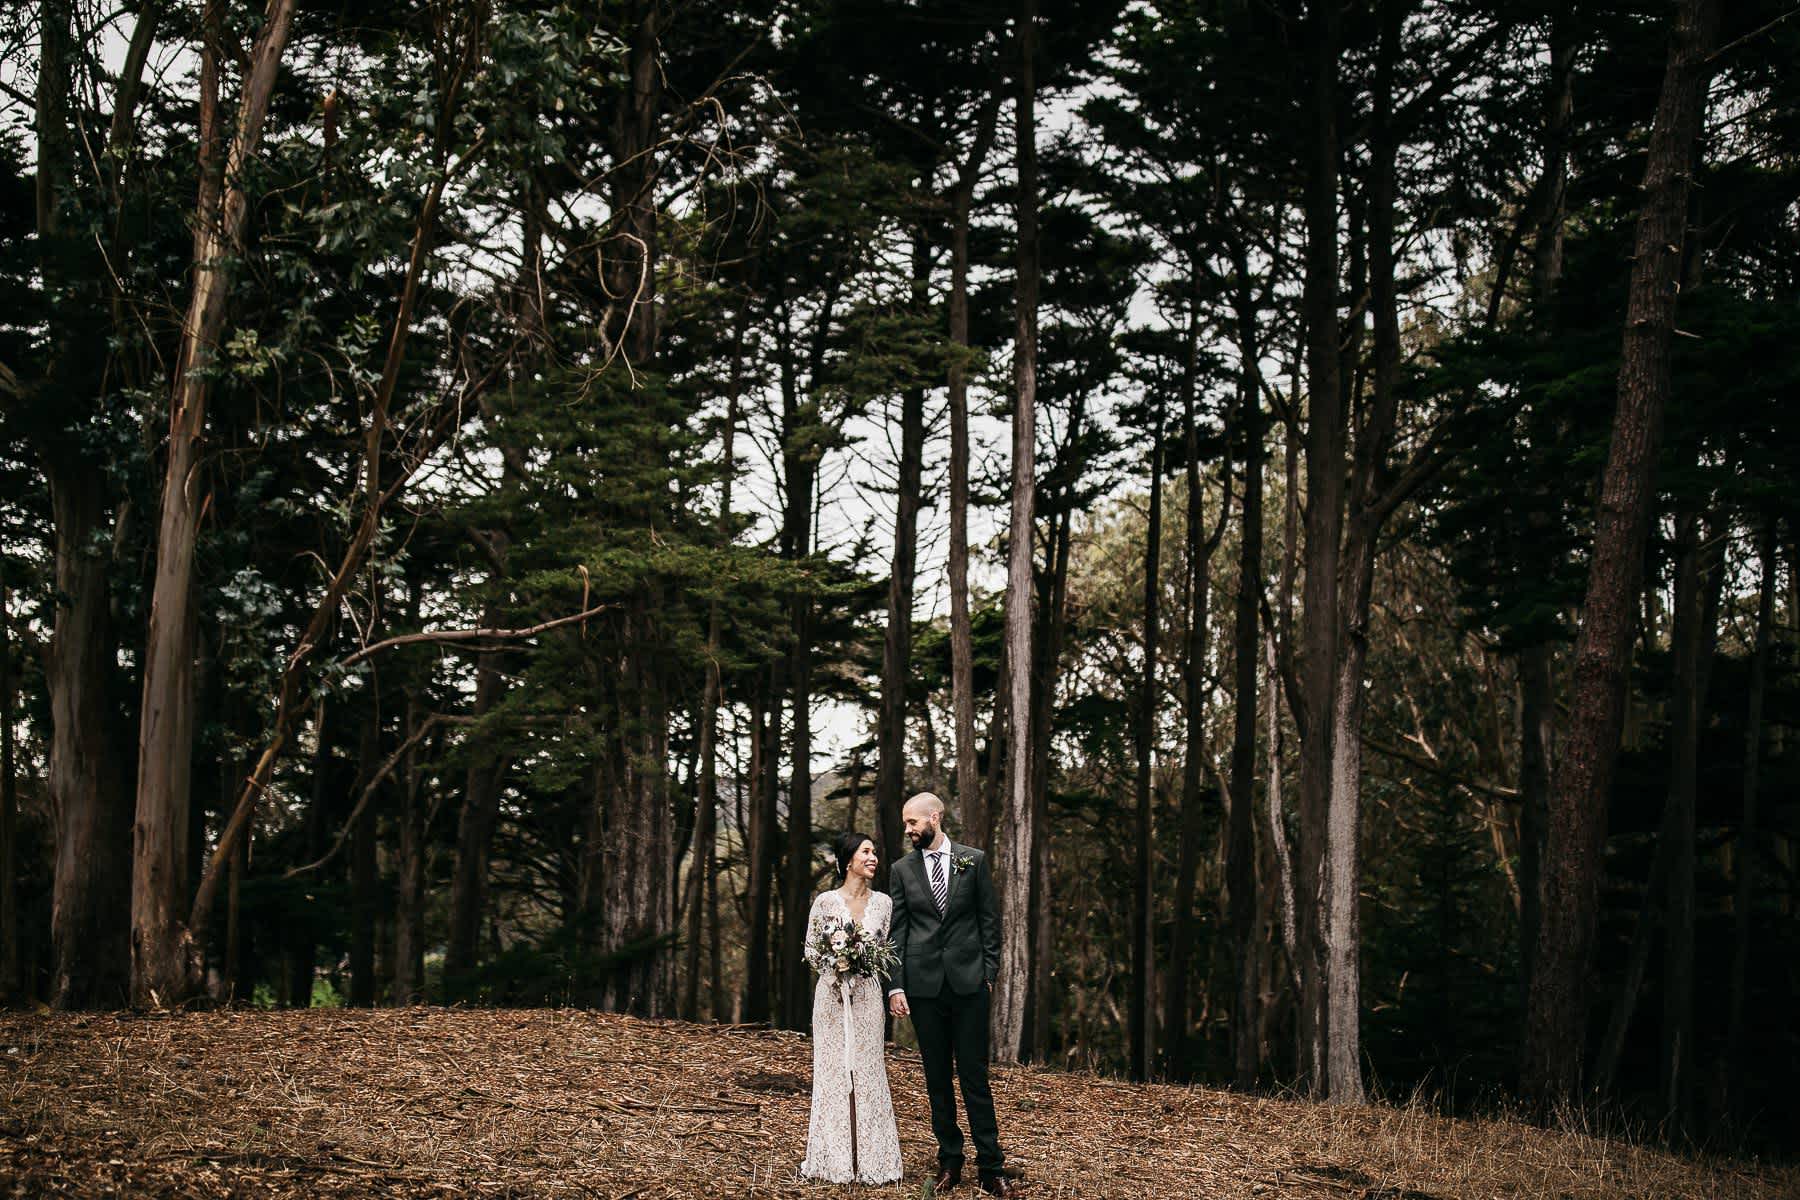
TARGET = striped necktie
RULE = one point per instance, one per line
(940, 891)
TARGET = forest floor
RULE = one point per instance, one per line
(481, 1103)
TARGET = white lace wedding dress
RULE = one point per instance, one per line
(828, 1147)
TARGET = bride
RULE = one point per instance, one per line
(852, 1137)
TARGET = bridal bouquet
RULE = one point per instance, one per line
(839, 947)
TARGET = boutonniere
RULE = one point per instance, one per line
(961, 863)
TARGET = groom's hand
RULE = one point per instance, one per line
(898, 1006)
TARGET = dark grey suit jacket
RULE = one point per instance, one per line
(959, 951)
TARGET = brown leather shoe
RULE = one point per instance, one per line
(947, 1178)
(997, 1185)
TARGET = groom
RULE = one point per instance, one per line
(946, 926)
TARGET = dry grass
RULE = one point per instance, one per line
(436, 1102)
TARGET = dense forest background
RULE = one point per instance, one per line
(491, 487)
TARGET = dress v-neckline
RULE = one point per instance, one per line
(845, 901)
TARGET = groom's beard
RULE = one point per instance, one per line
(922, 841)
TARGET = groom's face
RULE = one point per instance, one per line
(922, 825)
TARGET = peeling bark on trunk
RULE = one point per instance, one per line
(1557, 1007)
(88, 777)
(1020, 832)
(1325, 445)
(163, 956)
(90, 913)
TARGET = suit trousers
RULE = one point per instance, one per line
(953, 1041)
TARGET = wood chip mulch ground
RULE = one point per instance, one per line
(552, 1103)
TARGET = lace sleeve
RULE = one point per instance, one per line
(814, 959)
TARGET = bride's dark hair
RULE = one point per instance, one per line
(846, 847)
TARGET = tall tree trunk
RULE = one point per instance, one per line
(969, 792)
(1343, 870)
(637, 925)
(1049, 631)
(235, 979)
(798, 883)
(1240, 842)
(483, 782)
(1287, 919)
(10, 981)
(993, 778)
(364, 871)
(1143, 925)
(721, 1003)
(1699, 577)
(89, 800)
(1193, 674)
(90, 913)
(1743, 899)
(1659, 889)
(1537, 757)
(1556, 1014)
(409, 865)
(1277, 659)
(1325, 471)
(800, 456)
(639, 856)
(896, 647)
(764, 850)
(324, 810)
(702, 874)
(1019, 833)
(162, 953)
(1537, 694)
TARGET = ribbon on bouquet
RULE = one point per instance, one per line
(844, 987)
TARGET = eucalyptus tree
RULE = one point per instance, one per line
(77, 357)
(1557, 1003)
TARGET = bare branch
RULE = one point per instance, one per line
(465, 635)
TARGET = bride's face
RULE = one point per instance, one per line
(865, 860)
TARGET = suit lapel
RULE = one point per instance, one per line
(925, 883)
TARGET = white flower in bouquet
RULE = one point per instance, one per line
(841, 949)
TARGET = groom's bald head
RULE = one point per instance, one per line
(924, 802)
(924, 818)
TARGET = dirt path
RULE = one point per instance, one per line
(551, 1103)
